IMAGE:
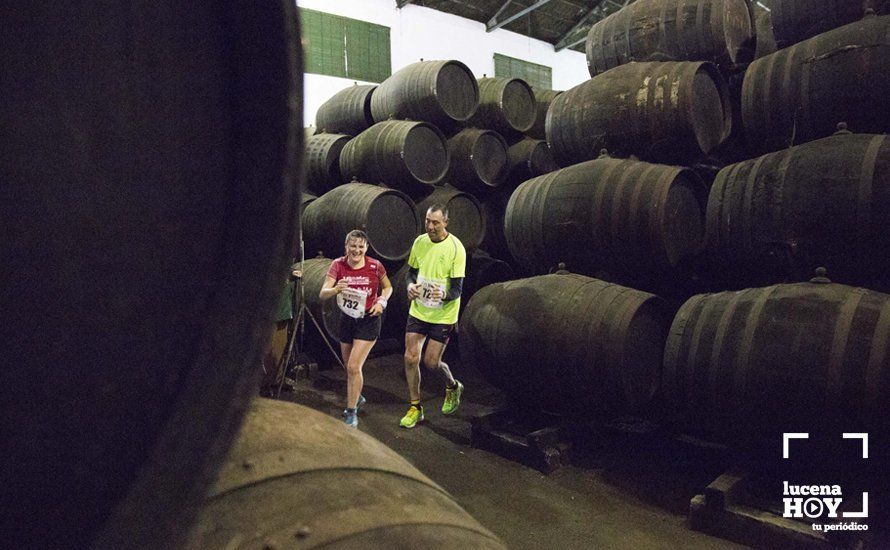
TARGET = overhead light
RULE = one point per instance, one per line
(764, 7)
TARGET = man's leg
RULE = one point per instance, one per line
(413, 347)
(432, 359)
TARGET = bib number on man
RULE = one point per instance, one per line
(351, 301)
(426, 294)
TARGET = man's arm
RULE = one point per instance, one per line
(455, 287)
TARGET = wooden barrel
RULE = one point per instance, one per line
(401, 154)
(465, 217)
(494, 205)
(800, 93)
(527, 159)
(150, 169)
(824, 203)
(567, 343)
(306, 199)
(658, 111)
(763, 29)
(797, 20)
(607, 213)
(386, 215)
(439, 92)
(677, 30)
(325, 312)
(323, 161)
(743, 367)
(543, 98)
(347, 112)
(506, 105)
(478, 160)
(483, 270)
(295, 478)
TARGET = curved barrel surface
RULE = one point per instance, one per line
(465, 216)
(347, 112)
(323, 161)
(679, 30)
(386, 215)
(570, 341)
(802, 92)
(478, 159)
(506, 105)
(296, 478)
(659, 111)
(151, 161)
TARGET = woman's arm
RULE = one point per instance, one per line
(382, 300)
(331, 288)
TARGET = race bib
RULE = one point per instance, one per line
(352, 302)
(426, 294)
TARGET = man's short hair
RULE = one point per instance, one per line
(439, 207)
(356, 234)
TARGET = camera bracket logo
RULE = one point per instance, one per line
(816, 501)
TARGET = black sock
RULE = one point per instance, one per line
(451, 386)
(350, 410)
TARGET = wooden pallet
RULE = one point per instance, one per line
(538, 442)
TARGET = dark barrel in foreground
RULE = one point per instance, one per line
(567, 343)
(609, 214)
(150, 169)
(347, 112)
(402, 154)
(744, 367)
(802, 92)
(659, 111)
(677, 30)
(439, 92)
(386, 215)
(823, 203)
(465, 217)
(296, 478)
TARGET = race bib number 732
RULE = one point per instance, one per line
(352, 302)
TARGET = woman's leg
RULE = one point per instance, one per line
(355, 380)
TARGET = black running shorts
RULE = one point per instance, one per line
(434, 331)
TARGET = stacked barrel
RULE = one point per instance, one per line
(689, 166)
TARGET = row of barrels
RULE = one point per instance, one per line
(764, 220)
(428, 123)
(738, 368)
(659, 91)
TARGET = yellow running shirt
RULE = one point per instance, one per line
(435, 263)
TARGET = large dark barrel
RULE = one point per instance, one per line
(506, 105)
(677, 30)
(323, 161)
(296, 478)
(567, 343)
(150, 183)
(800, 93)
(439, 92)
(465, 217)
(543, 98)
(347, 112)
(483, 270)
(743, 367)
(527, 159)
(797, 20)
(398, 153)
(824, 203)
(658, 111)
(607, 213)
(478, 160)
(386, 215)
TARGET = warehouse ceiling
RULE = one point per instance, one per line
(563, 23)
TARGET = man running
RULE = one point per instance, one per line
(437, 266)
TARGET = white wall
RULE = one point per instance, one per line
(417, 32)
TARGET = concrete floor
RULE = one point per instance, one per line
(617, 494)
